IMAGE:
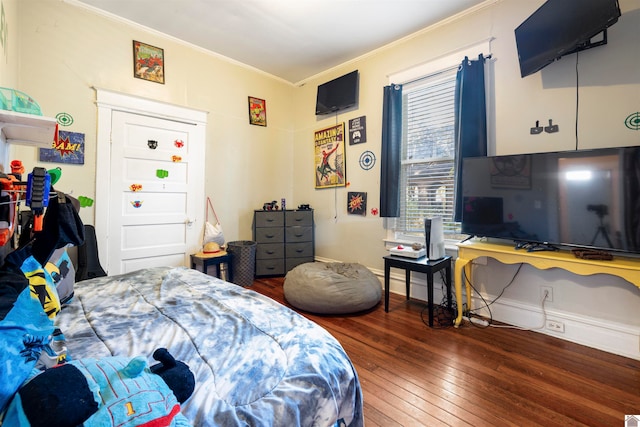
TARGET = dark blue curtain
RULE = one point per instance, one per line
(391, 151)
(470, 120)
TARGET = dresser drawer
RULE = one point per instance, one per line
(298, 234)
(292, 262)
(269, 235)
(303, 218)
(284, 240)
(270, 267)
(270, 250)
(269, 219)
(296, 250)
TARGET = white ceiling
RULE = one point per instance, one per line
(289, 39)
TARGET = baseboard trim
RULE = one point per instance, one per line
(605, 335)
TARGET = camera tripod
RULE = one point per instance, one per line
(601, 229)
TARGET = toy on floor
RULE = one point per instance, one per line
(113, 391)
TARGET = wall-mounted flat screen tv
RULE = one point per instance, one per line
(583, 198)
(562, 27)
(337, 94)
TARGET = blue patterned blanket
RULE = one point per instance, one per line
(256, 362)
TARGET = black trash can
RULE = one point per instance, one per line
(243, 261)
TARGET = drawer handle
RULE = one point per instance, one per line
(299, 251)
(271, 252)
(299, 234)
(270, 236)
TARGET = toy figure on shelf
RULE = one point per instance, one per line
(270, 206)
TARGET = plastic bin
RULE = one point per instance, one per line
(11, 99)
(243, 261)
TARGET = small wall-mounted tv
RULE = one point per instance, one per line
(562, 27)
(337, 94)
(582, 198)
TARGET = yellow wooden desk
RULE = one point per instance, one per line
(626, 268)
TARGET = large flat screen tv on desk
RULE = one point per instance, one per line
(582, 198)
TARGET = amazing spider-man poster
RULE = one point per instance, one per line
(329, 157)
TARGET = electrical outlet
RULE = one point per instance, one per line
(555, 326)
(548, 290)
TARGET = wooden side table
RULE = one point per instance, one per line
(205, 262)
(421, 265)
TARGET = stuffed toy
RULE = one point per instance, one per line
(113, 391)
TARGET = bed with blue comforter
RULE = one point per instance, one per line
(256, 362)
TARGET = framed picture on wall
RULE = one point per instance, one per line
(329, 157)
(257, 111)
(69, 149)
(357, 203)
(148, 62)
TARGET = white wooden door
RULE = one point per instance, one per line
(155, 191)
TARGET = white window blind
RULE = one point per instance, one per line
(427, 176)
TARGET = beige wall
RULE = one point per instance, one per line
(8, 43)
(65, 51)
(8, 53)
(609, 92)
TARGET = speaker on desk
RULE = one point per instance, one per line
(434, 236)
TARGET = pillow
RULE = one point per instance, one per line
(42, 286)
(42, 282)
(63, 274)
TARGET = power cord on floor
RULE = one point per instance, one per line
(469, 314)
(544, 318)
(443, 317)
(481, 322)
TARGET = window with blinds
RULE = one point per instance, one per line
(428, 152)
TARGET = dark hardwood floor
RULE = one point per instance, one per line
(413, 375)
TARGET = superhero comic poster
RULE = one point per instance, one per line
(329, 157)
(68, 149)
(357, 203)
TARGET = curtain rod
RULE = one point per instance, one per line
(484, 45)
(436, 73)
(431, 75)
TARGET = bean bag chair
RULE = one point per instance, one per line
(332, 288)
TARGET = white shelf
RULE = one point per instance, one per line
(27, 129)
